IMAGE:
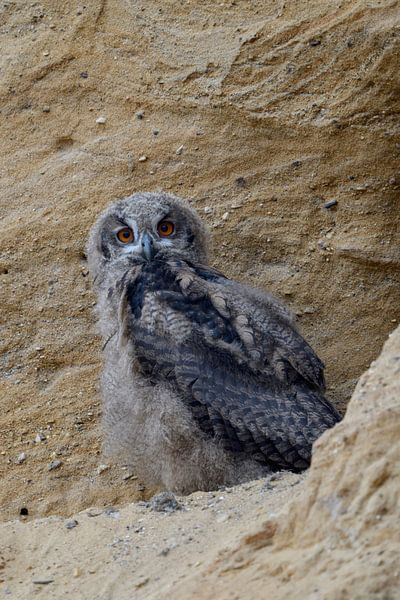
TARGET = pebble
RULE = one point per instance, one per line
(46, 109)
(140, 115)
(330, 204)
(179, 150)
(207, 210)
(21, 458)
(94, 512)
(225, 216)
(102, 468)
(164, 502)
(111, 511)
(40, 437)
(129, 476)
(241, 182)
(101, 120)
(142, 158)
(42, 581)
(314, 42)
(84, 74)
(143, 581)
(71, 523)
(221, 518)
(55, 464)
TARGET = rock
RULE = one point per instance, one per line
(165, 502)
(330, 204)
(102, 468)
(101, 120)
(71, 523)
(55, 464)
(21, 458)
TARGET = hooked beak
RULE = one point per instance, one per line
(147, 246)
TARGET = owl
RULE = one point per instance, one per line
(206, 381)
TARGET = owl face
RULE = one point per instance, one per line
(146, 226)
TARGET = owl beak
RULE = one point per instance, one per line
(147, 246)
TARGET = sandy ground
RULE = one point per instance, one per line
(134, 552)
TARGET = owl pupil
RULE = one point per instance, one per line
(164, 227)
(126, 234)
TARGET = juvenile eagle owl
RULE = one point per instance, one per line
(206, 381)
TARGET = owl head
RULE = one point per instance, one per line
(144, 226)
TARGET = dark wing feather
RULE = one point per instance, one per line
(264, 401)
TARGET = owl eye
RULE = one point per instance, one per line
(165, 228)
(125, 235)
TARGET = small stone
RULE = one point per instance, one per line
(314, 42)
(46, 109)
(111, 511)
(241, 182)
(39, 348)
(71, 523)
(142, 582)
(84, 74)
(296, 164)
(130, 477)
(46, 53)
(101, 120)
(21, 458)
(225, 216)
(207, 210)
(156, 131)
(222, 518)
(164, 502)
(179, 150)
(77, 572)
(42, 581)
(40, 437)
(330, 204)
(140, 115)
(55, 464)
(102, 468)
(142, 158)
(94, 512)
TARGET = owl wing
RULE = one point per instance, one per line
(246, 374)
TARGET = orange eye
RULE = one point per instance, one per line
(165, 228)
(125, 235)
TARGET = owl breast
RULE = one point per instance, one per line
(160, 303)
